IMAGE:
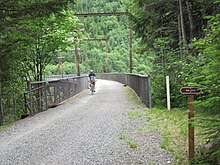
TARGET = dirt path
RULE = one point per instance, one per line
(85, 130)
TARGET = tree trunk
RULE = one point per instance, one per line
(1, 111)
(182, 23)
(179, 29)
(191, 24)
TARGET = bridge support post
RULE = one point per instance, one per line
(45, 95)
(149, 92)
(30, 95)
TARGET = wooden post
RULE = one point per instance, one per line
(190, 126)
(190, 91)
(168, 92)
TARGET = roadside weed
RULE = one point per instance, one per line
(121, 137)
(128, 141)
(132, 144)
(133, 114)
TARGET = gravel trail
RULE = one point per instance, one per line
(85, 130)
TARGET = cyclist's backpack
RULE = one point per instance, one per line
(92, 78)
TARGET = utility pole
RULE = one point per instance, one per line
(113, 14)
(77, 60)
(83, 68)
(130, 45)
(60, 62)
(106, 60)
(73, 39)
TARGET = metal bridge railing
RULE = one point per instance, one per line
(39, 97)
(43, 95)
(11, 105)
(139, 83)
(47, 94)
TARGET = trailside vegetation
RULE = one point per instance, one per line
(184, 36)
(32, 33)
(23, 25)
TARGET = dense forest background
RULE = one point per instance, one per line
(178, 38)
(93, 49)
(184, 38)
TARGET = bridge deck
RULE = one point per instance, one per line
(86, 129)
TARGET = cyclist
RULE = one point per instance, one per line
(92, 78)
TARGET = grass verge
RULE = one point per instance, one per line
(5, 126)
(173, 127)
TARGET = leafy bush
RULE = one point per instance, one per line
(208, 77)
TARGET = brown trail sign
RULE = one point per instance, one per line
(190, 91)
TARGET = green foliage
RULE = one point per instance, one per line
(208, 71)
(209, 153)
(69, 68)
(14, 14)
(59, 69)
(45, 38)
(50, 70)
(132, 144)
(207, 77)
(187, 63)
(31, 32)
(156, 23)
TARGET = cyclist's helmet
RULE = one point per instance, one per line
(91, 71)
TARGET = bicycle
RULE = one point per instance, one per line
(92, 87)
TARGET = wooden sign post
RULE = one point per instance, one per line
(190, 126)
(190, 91)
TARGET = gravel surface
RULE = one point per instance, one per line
(85, 130)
